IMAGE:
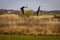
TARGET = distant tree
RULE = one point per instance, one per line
(2, 11)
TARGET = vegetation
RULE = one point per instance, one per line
(29, 24)
(26, 37)
(32, 25)
(29, 13)
(16, 26)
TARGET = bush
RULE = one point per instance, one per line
(29, 13)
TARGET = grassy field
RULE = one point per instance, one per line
(26, 37)
(36, 25)
(28, 28)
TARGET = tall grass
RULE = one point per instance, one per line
(32, 25)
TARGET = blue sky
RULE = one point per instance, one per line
(32, 4)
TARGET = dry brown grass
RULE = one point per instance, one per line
(15, 24)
